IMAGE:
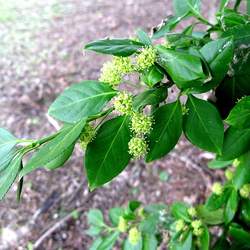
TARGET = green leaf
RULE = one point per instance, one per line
(185, 70)
(205, 239)
(240, 114)
(150, 97)
(116, 47)
(114, 214)
(167, 25)
(95, 218)
(143, 37)
(128, 246)
(223, 4)
(215, 53)
(9, 175)
(53, 150)
(166, 130)
(109, 241)
(236, 143)
(180, 211)
(185, 244)
(182, 7)
(61, 159)
(245, 211)
(81, 100)
(149, 224)
(231, 206)
(93, 231)
(152, 76)
(217, 164)
(96, 243)
(210, 217)
(240, 34)
(149, 242)
(203, 125)
(214, 202)
(107, 155)
(239, 234)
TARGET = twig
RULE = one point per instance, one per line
(59, 223)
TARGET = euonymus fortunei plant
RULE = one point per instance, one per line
(114, 126)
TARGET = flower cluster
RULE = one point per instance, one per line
(123, 103)
(87, 135)
(179, 225)
(217, 188)
(146, 58)
(122, 225)
(197, 227)
(229, 174)
(245, 191)
(134, 235)
(137, 147)
(113, 71)
(192, 212)
(141, 124)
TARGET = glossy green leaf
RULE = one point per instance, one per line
(108, 242)
(114, 215)
(203, 125)
(9, 175)
(149, 224)
(185, 70)
(245, 211)
(180, 211)
(95, 217)
(182, 7)
(231, 206)
(149, 242)
(107, 155)
(166, 130)
(95, 244)
(240, 114)
(185, 244)
(205, 239)
(240, 34)
(214, 217)
(81, 100)
(152, 76)
(143, 37)
(150, 97)
(128, 246)
(216, 164)
(61, 159)
(94, 231)
(54, 149)
(240, 235)
(218, 54)
(116, 47)
(215, 202)
(236, 143)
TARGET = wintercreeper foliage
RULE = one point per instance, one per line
(146, 58)
(141, 124)
(123, 103)
(137, 147)
(134, 236)
(217, 188)
(87, 135)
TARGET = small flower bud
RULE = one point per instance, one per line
(192, 212)
(236, 163)
(122, 225)
(146, 58)
(245, 191)
(184, 110)
(137, 147)
(110, 74)
(196, 224)
(134, 236)
(141, 124)
(123, 64)
(180, 225)
(87, 135)
(198, 231)
(123, 103)
(229, 174)
(217, 188)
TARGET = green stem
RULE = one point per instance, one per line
(104, 113)
(237, 5)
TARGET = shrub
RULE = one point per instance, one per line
(111, 122)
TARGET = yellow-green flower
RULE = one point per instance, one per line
(146, 58)
(196, 224)
(87, 135)
(123, 64)
(110, 74)
(137, 147)
(192, 212)
(245, 191)
(179, 225)
(134, 236)
(236, 163)
(123, 103)
(122, 225)
(229, 174)
(217, 188)
(141, 124)
(198, 231)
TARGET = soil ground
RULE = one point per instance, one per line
(40, 54)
